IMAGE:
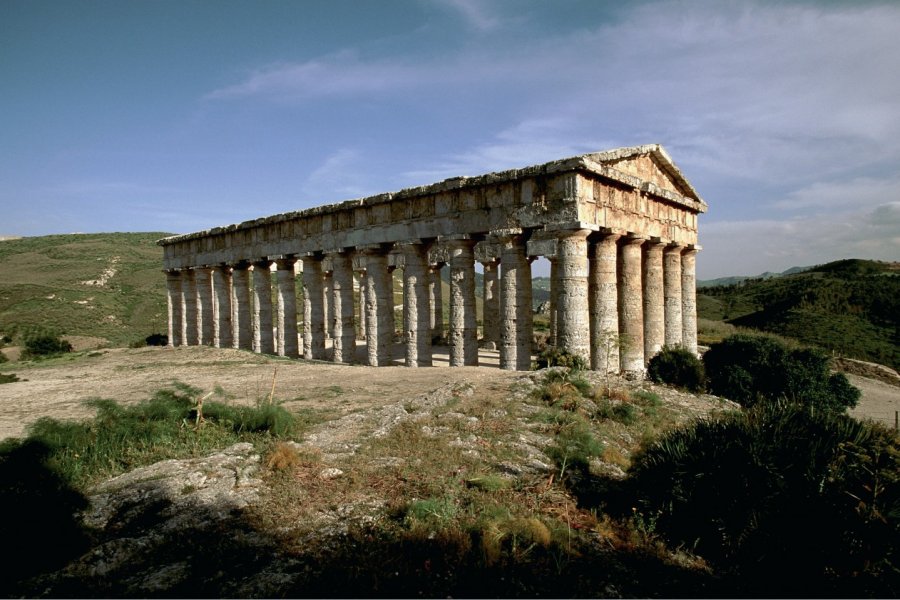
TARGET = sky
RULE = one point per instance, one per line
(183, 115)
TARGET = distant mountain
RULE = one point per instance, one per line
(107, 285)
(739, 278)
(850, 307)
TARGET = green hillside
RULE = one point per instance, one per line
(851, 307)
(107, 285)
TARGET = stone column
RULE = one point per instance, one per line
(515, 306)
(361, 313)
(313, 309)
(263, 340)
(343, 333)
(672, 285)
(222, 326)
(243, 331)
(463, 321)
(572, 323)
(689, 299)
(416, 313)
(631, 307)
(173, 301)
(491, 305)
(436, 301)
(203, 281)
(604, 305)
(379, 308)
(327, 303)
(554, 299)
(654, 299)
(287, 308)
(190, 330)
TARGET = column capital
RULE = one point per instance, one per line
(563, 230)
(632, 239)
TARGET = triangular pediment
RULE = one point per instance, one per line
(649, 163)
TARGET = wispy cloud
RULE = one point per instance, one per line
(475, 13)
(337, 178)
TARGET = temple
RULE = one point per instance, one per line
(619, 229)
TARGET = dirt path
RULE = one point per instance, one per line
(879, 400)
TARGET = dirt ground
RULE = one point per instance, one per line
(57, 388)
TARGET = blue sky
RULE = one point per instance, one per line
(183, 115)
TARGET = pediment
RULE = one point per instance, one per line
(651, 164)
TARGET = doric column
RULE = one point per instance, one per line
(463, 320)
(554, 299)
(416, 313)
(222, 287)
(203, 281)
(313, 308)
(343, 333)
(654, 299)
(631, 307)
(328, 303)
(243, 331)
(491, 304)
(361, 312)
(689, 299)
(672, 285)
(379, 307)
(173, 302)
(435, 301)
(287, 308)
(515, 305)
(189, 332)
(263, 340)
(572, 324)
(603, 298)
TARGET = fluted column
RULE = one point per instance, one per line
(654, 299)
(491, 305)
(379, 307)
(689, 299)
(263, 340)
(572, 323)
(361, 313)
(416, 313)
(343, 333)
(435, 301)
(313, 309)
(222, 288)
(603, 298)
(672, 285)
(463, 320)
(243, 331)
(287, 308)
(515, 306)
(190, 332)
(631, 307)
(203, 281)
(173, 302)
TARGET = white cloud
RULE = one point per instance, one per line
(337, 178)
(856, 193)
(476, 14)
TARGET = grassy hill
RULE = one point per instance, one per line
(107, 285)
(850, 306)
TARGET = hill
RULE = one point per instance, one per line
(850, 307)
(703, 283)
(106, 285)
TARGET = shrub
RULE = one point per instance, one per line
(45, 344)
(679, 367)
(8, 378)
(3, 358)
(556, 357)
(780, 492)
(157, 339)
(752, 369)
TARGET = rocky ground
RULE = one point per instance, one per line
(237, 523)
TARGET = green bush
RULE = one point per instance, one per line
(44, 344)
(556, 357)
(752, 369)
(780, 493)
(679, 367)
(8, 378)
(3, 358)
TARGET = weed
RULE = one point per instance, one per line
(8, 378)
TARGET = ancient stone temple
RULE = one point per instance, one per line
(619, 229)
